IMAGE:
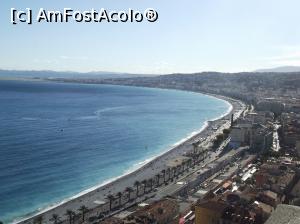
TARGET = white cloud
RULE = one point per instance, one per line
(288, 55)
(64, 57)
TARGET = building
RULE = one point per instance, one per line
(284, 214)
(253, 130)
(296, 190)
(239, 136)
(298, 147)
(261, 117)
(229, 208)
(209, 212)
(270, 104)
(261, 138)
(160, 212)
(290, 123)
(270, 197)
(275, 177)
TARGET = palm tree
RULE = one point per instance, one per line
(183, 165)
(129, 190)
(119, 194)
(150, 182)
(144, 182)
(37, 220)
(164, 175)
(83, 209)
(169, 173)
(173, 171)
(157, 176)
(195, 145)
(186, 164)
(177, 170)
(110, 198)
(194, 161)
(70, 215)
(137, 184)
(55, 219)
(201, 155)
(190, 162)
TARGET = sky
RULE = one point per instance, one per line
(189, 36)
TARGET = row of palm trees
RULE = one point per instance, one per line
(148, 185)
(166, 174)
(56, 219)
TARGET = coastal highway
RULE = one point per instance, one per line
(187, 177)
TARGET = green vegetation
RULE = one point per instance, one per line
(119, 194)
(70, 215)
(137, 184)
(83, 209)
(37, 220)
(218, 140)
(55, 219)
(226, 133)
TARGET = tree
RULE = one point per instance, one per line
(83, 209)
(119, 194)
(37, 220)
(129, 190)
(226, 132)
(178, 170)
(160, 210)
(220, 138)
(195, 146)
(183, 165)
(238, 180)
(194, 160)
(169, 173)
(110, 198)
(174, 171)
(164, 175)
(70, 215)
(150, 181)
(137, 184)
(144, 182)
(158, 177)
(55, 219)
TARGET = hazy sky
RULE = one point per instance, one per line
(189, 36)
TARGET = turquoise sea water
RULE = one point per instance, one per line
(57, 140)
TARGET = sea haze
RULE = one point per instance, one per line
(58, 139)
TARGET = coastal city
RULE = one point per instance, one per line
(150, 112)
(242, 168)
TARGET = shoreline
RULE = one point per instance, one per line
(113, 185)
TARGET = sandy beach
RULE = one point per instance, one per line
(97, 196)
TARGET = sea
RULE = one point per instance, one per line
(60, 139)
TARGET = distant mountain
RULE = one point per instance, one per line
(281, 69)
(72, 75)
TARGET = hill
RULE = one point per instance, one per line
(281, 69)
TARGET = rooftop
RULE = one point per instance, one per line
(284, 214)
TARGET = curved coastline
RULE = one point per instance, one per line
(141, 166)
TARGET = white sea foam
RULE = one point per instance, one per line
(87, 118)
(107, 109)
(30, 118)
(98, 113)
